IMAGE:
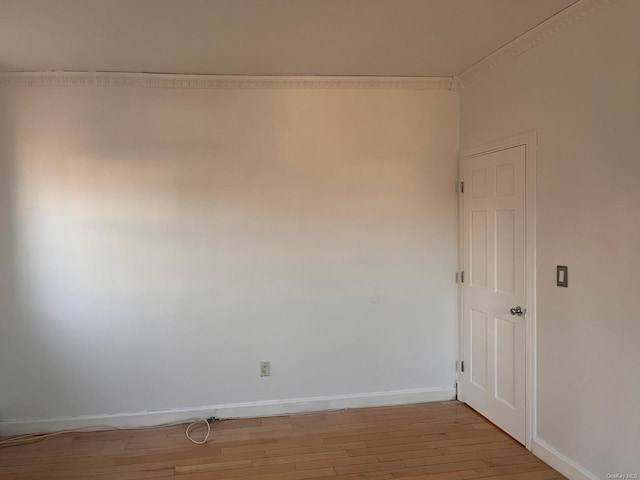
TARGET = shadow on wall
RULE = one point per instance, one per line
(8, 288)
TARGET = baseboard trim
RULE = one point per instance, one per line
(235, 410)
(560, 462)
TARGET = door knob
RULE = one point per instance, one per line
(518, 311)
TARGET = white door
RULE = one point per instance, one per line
(494, 342)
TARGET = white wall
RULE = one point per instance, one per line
(579, 89)
(161, 242)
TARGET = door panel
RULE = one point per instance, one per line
(505, 361)
(479, 349)
(479, 265)
(494, 257)
(505, 251)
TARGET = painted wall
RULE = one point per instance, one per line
(159, 243)
(580, 90)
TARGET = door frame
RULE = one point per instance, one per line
(530, 141)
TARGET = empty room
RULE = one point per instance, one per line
(319, 239)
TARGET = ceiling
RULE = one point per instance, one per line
(262, 37)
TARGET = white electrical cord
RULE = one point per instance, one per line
(206, 437)
(36, 437)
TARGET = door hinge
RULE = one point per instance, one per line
(460, 277)
(460, 187)
(461, 366)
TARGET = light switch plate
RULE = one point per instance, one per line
(562, 276)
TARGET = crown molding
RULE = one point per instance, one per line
(223, 82)
(534, 37)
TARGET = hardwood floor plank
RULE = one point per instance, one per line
(330, 456)
(439, 468)
(336, 462)
(369, 467)
(460, 475)
(509, 469)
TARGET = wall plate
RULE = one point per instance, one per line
(562, 276)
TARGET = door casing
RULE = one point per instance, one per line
(530, 141)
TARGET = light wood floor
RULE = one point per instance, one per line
(437, 441)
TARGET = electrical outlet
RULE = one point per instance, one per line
(265, 369)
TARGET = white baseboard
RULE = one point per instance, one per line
(560, 462)
(12, 428)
